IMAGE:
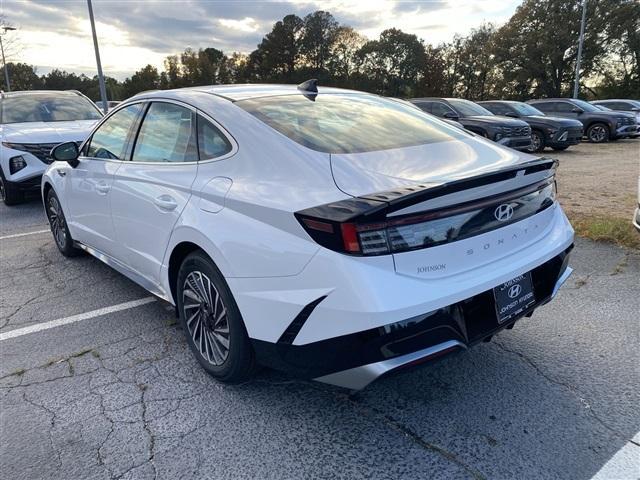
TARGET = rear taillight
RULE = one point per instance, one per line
(367, 227)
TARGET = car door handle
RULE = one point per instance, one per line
(103, 188)
(165, 202)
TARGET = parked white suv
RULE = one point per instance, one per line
(31, 124)
(335, 235)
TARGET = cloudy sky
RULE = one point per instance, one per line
(133, 33)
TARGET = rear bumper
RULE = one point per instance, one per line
(355, 360)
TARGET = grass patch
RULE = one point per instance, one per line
(607, 229)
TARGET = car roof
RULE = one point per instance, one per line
(255, 90)
(614, 100)
(20, 93)
(500, 101)
(552, 99)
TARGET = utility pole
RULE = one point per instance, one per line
(103, 89)
(580, 42)
(4, 62)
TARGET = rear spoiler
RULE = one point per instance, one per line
(375, 206)
(363, 225)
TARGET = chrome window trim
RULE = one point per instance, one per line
(195, 110)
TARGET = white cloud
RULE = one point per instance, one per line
(247, 24)
(134, 33)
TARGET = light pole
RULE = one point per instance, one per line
(4, 62)
(103, 90)
(580, 42)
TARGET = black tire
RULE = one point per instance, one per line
(598, 133)
(9, 194)
(537, 141)
(58, 225)
(559, 149)
(209, 320)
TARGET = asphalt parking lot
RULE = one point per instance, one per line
(117, 394)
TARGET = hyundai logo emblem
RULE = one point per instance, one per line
(503, 213)
(514, 290)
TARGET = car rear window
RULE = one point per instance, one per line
(42, 107)
(349, 123)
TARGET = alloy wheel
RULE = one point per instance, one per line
(597, 134)
(535, 142)
(206, 317)
(57, 222)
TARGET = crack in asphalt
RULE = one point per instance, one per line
(417, 439)
(571, 388)
(392, 423)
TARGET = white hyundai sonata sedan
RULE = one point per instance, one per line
(333, 234)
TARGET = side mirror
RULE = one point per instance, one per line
(451, 116)
(577, 110)
(511, 114)
(66, 152)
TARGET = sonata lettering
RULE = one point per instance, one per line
(501, 241)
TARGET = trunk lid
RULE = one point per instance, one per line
(442, 203)
(360, 174)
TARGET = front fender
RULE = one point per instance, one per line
(55, 176)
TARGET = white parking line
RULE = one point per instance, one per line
(16, 235)
(18, 332)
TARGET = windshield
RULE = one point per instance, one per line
(349, 123)
(526, 109)
(466, 108)
(586, 106)
(46, 108)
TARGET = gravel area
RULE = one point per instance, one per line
(599, 179)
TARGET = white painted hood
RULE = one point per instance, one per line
(46, 132)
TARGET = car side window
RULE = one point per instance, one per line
(498, 108)
(167, 135)
(424, 106)
(211, 142)
(564, 107)
(618, 106)
(109, 141)
(440, 109)
(545, 106)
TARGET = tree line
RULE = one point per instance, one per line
(532, 55)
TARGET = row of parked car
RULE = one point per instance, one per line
(532, 126)
(33, 122)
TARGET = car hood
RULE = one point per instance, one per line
(364, 173)
(497, 120)
(556, 121)
(47, 132)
